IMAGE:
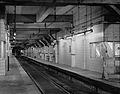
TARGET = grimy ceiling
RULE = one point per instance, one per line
(32, 20)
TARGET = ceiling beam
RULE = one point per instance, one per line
(38, 43)
(59, 18)
(21, 18)
(41, 42)
(35, 29)
(115, 9)
(59, 24)
(56, 2)
(24, 31)
(45, 12)
(24, 38)
(41, 25)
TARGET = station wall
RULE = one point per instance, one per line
(64, 52)
(78, 49)
(75, 50)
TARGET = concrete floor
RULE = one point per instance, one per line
(16, 80)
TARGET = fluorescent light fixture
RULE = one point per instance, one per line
(84, 32)
(89, 31)
(19, 23)
(14, 37)
(14, 34)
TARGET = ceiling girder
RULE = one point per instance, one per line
(45, 42)
(45, 12)
(42, 42)
(21, 18)
(48, 38)
(51, 36)
(38, 43)
(42, 25)
(115, 9)
(42, 14)
(26, 39)
(59, 18)
(113, 14)
(56, 2)
(36, 29)
(48, 42)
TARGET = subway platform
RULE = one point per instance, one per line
(16, 80)
(113, 81)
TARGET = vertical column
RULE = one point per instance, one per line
(85, 58)
(2, 40)
(73, 53)
(56, 53)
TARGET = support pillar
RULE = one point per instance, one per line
(56, 53)
(2, 41)
(73, 53)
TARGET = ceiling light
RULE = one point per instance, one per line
(84, 32)
(14, 37)
(14, 34)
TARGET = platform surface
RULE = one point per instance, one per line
(16, 80)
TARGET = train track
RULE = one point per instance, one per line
(41, 79)
(50, 83)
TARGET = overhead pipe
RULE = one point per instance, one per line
(38, 43)
(46, 41)
(41, 42)
(34, 45)
(51, 37)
